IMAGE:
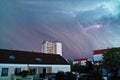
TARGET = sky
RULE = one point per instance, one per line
(80, 25)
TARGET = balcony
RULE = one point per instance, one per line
(29, 77)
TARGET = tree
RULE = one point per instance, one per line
(89, 66)
(71, 63)
(24, 73)
(60, 76)
(79, 68)
(70, 76)
(94, 75)
(111, 60)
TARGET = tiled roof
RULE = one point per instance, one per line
(102, 51)
(80, 59)
(26, 57)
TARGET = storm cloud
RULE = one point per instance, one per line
(81, 25)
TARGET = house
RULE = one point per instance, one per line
(13, 62)
(98, 55)
(82, 61)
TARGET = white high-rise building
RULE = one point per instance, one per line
(52, 47)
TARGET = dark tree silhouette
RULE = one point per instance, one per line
(111, 60)
(24, 73)
(60, 76)
(95, 75)
(70, 76)
(89, 66)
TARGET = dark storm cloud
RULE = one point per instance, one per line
(80, 25)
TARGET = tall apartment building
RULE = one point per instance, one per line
(52, 47)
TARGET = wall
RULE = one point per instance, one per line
(40, 69)
(65, 68)
(49, 69)
(59, 48)
(55, 68)
(11, 68)
(97, 57)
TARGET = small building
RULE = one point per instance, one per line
(98, 56)
(13, 62)
(82, 61)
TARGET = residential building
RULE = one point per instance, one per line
(13, 62)
(98, 54)
(54, 47)
(82, 61)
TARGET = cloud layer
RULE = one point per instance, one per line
(80, 25)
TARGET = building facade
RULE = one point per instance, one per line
(52, 47)
(98, 54)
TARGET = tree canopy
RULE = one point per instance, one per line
(111, 59)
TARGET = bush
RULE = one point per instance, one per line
(95, 75)
(70, 76)
(60, 76)
(24, 73)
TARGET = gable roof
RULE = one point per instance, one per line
(26, 57)
(81, 59)
(102, 51)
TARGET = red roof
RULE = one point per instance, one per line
(81, 59)
(102, 51)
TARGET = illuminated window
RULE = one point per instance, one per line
(97, 64)
(4, 72)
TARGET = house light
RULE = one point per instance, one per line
(97, 64)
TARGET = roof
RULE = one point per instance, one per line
(81, 59)
(101, 51)
(26, 57)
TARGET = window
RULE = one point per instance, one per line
(4, 72)
(17, 71)
(33, 71)
(44, 70)
(57, 60)
(12, 57)
(38, 59)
